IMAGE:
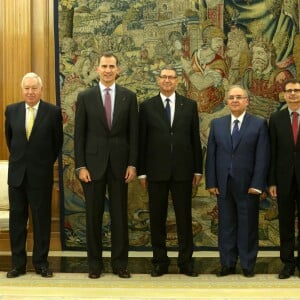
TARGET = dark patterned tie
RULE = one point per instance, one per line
(295, 126)
(107, 105)
(235, 133)
(168, 110)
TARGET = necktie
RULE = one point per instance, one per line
(235, 133)
(30, 122)
(168, 110)
(295, 126)
(108, 107)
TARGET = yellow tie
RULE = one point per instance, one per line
(30, 122)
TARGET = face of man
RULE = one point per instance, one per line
(167, 82)
(237, 101)
(31, 91)
(216, 44)
(108, 70)
(292, 95)
(260, 59)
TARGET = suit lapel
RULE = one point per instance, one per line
(120, 97)
(40, 115)
(243, 129)
(227, 131)
(287, 125)
(159, 107)
(100, 105)
(179, 106)
(22, 118)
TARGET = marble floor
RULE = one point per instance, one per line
(205, 262)
(70, 281)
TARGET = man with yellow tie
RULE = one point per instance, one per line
(34, 136)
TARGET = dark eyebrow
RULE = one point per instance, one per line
(108, 65)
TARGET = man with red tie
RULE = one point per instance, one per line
(106, 133)
(284, 177)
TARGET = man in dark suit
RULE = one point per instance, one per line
(106, 133)
(236, 170)
(170, 161)
(284, 176)
(34, 136)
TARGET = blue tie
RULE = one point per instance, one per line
(235, 133)
(168, 110)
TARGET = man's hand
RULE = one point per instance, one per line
(273, 191)
(84, 175)
(143, 182)
(214, 191)
(130, 174)
(197, 178)
(253, 191)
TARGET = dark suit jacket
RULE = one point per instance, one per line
(249, 159)
(167, 151)
(36, 156)
(285, 156)
(95, 144)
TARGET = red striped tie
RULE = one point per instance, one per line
(108, 107)
(295, 126)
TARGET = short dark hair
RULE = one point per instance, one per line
(291, 80)
(168, 68)
(109, 54)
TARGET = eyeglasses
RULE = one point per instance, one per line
(237, 97)
(290, 91)
(165, 77)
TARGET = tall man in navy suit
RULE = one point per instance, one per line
(34, 136)
(284, 177)
(106, 137)
(236, 169)
(170, 160)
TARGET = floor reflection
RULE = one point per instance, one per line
(142, 265)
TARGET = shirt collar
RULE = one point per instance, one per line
(34, 106)
(103, 87)
(172, 97)
(240, 118)
(290, 111)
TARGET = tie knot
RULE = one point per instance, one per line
(167, 100)
(107, 90)
(236, 122)
(295, 114)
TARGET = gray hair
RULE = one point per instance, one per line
(32, 75)
(237, 86)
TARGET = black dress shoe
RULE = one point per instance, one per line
(226, 271)
(158, 271)
(122, 273)
(15, 273)
(287, 271)
(188, 272)
(94, 274)
(248, 273)
(44, 272)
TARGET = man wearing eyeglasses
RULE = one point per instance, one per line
(284, 176)
(236, 173)
(170, 160)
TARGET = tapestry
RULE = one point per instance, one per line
(212, 44)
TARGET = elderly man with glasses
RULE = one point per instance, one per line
(236, 173)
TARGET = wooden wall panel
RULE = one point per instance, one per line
(27, 44)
